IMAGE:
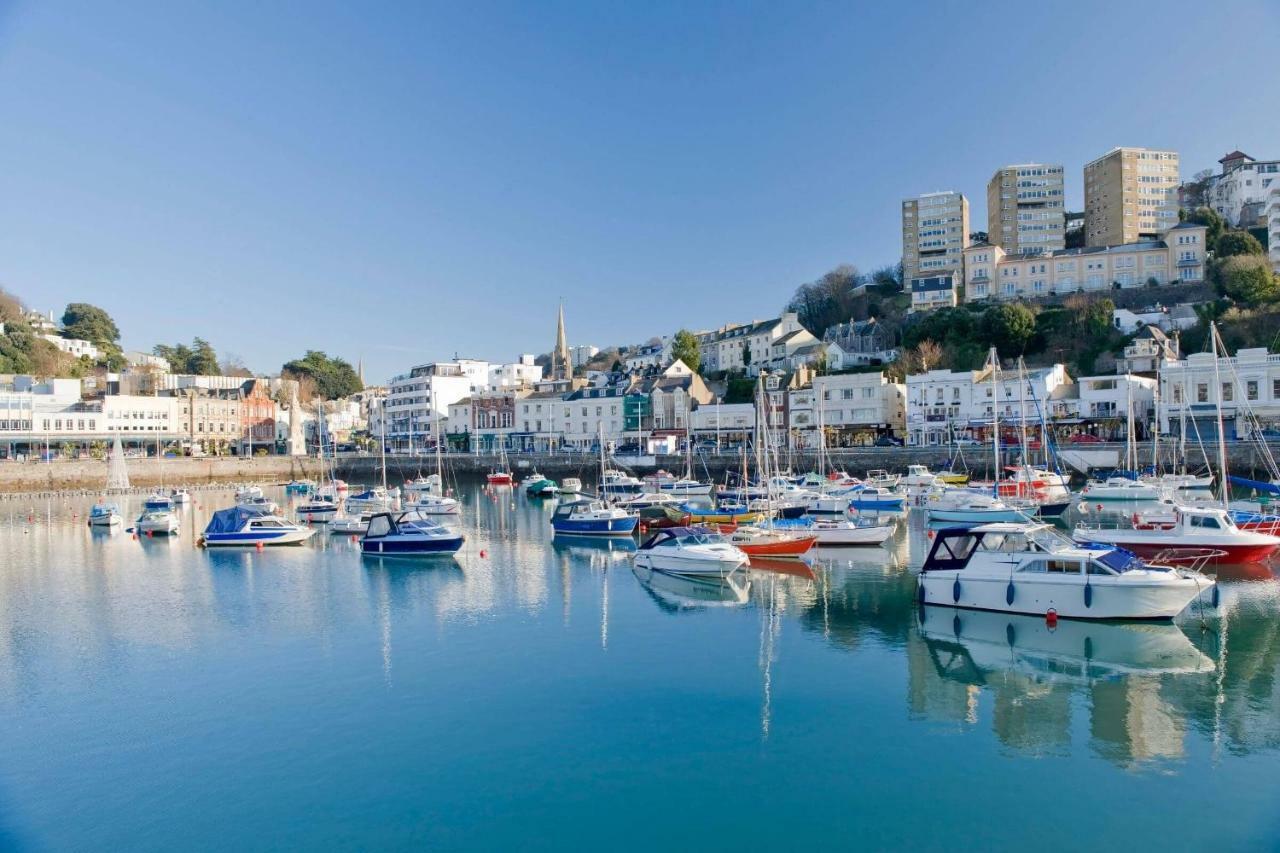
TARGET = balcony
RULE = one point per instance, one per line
(1189, 262)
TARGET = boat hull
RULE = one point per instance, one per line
(252, 540)
(408, 546)
(688, 567)
(1067, 598)
(976, 516)
(1150, 546)
(596, 527)
(794, 547)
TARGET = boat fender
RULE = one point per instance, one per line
(1217, 596)
(1009, 593)
(1010, 634)
(1088, 594)
(1051, 618)
(955, 591)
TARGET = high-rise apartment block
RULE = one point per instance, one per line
(935, 232)
(1130, 195)
(1024, 209)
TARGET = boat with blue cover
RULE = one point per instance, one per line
(408, 534)
(105, 515)
(241, 526)
(875, 497)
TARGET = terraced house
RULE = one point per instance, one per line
(1179, 256)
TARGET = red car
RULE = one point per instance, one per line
(1085, 438)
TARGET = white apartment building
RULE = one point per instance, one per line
(745, 347)
(1025, 208)
(74, 346)
(856, 408)
(1241, 191)
(1106, 398)
(725, 423)
(935, 232)
(1177, 258)
(1249, 380)
(152, 417)
(580, 355)
(942, 404)
(587, 412)
(417, 398)
(1273, 227)
(522, 373)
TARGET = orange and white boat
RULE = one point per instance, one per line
(763, 542)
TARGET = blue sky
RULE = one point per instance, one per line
(401, 183)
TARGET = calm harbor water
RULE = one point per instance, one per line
(156, 696)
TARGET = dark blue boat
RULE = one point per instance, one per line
(408, 534)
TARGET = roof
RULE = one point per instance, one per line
(791, 336)
(1235, 155)
(1183, 225)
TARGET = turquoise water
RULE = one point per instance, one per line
(158, 697)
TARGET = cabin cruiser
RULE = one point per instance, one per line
(690, 551)
(970, 506)
(570, 486)
(180, 496)
(157, 502)
(882, 478)
(1188, 527)
(684, 487)
(255, 500)
(428, 485)
(407, 534)
(433, 504)
(1029, 568)
(1121, 489)
(592, 518)
(616, 483)
(541, 488)
(105, 515)
(376, 499)
(875, 497)
(156, 521)
(345, 525)
(240, 526)
(861, 530)
(918, 477)
(319, 509)
(245, 494)
(647, 500)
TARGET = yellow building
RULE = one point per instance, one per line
(1130, 195)
(935, 231)
(1024, 208)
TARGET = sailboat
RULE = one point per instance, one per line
(593, 517)
(501, 475)
(322, 505)
(432, 500)
(1120, 487)
(688, 485)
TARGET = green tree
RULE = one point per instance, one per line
(1213, 223)
(1248, 279)
(827, 301)
(1234, 243)
(685, 347)
(1008, 327)
(199, 358)
(333, 377)
(89, 323)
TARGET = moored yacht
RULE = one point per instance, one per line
(376, 499)
(407, 534)
(240, 526)
(1028, 568)
(592, 518)
(1189, 527)
(156, 521)
(1121, 489)
(319, 509)
(690, 551)
(105, 515)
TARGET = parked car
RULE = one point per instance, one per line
(1085, 438)
(888, 441)
(966, 441)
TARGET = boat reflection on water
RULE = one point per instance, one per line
(675, 593)
(589, 545)
(795, 568)
(980, 643)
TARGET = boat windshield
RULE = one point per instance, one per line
(702, 539)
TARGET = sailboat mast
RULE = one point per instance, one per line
(1155, 431)
(382, 444)
(993, 359)
(1222, 438)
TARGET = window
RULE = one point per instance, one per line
(1251, 389)
(1202, 393)
(1228, 392)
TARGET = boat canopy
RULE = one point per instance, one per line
(677, 533)
(1256, 485)
(231, 520)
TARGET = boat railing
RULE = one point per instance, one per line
(1190, 559)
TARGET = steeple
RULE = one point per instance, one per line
(560, 366)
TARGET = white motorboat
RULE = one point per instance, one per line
(248, 493)
(971, 507)
(1121, 489)
(1195, 527)
(349, 524)
(882, 478)
(690, 551)
(570, 486)
(647, 500)
(180, 496)
(835, 532)
(376, 499)
(428, 485)
(614, 483)
(259, 503)
(431, 504)
(239, 527)
(1029, 568)
(684, 488)
(919, 477)
(105, 515)
(319, 509)
(1181, 482)
(155, 522)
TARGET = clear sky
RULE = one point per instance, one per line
(401, 183)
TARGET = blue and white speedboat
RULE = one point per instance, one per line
(241, 526)
(874, 497)
(592, 518)
(370, 500)
(320, 509)
(157, 502)
(408, 534)
(105, 515)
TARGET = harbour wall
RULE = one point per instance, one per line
(91, 475)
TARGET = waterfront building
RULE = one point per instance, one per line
(1025, 212)
(1099, 405)
(208, 418)
(944, 404)
(458, 425)
(935, 232)
(672, 395)
(257, 417)
(521, 373)
(493, 418)
(656, 353)
(416, 399)
(1191, 389)
(856, 409)
(1179, 257)
(1149, 351)
(725, 424)
(1130, 196)
(747, 346)
(1241, 191)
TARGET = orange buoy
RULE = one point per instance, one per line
(259, 546)
(1051, 619)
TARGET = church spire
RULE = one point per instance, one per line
(560, 366)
